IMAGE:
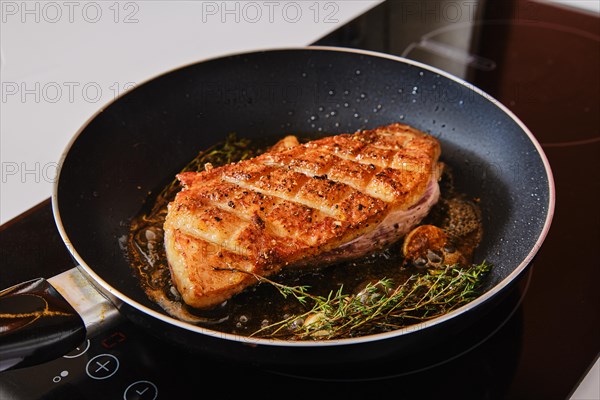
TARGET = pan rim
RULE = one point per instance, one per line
(108, 289)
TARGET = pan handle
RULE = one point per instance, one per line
(41, 320)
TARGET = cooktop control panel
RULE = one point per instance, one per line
(115, 364)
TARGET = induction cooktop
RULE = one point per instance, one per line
(537, 343)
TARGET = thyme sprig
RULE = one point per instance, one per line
(380, 306)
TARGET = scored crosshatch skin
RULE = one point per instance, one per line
(298, 206)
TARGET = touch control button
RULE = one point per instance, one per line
(141, 390)
(79, 350)
(102, 366)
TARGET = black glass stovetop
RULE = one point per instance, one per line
(537, 343)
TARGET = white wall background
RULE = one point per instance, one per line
(62, 60)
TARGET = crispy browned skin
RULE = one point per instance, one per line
(295, 203)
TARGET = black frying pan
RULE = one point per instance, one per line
(137, 143)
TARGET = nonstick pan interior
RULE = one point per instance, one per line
(135, 145)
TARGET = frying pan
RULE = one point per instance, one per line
(136, 144)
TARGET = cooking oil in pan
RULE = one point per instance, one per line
(262, 304)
